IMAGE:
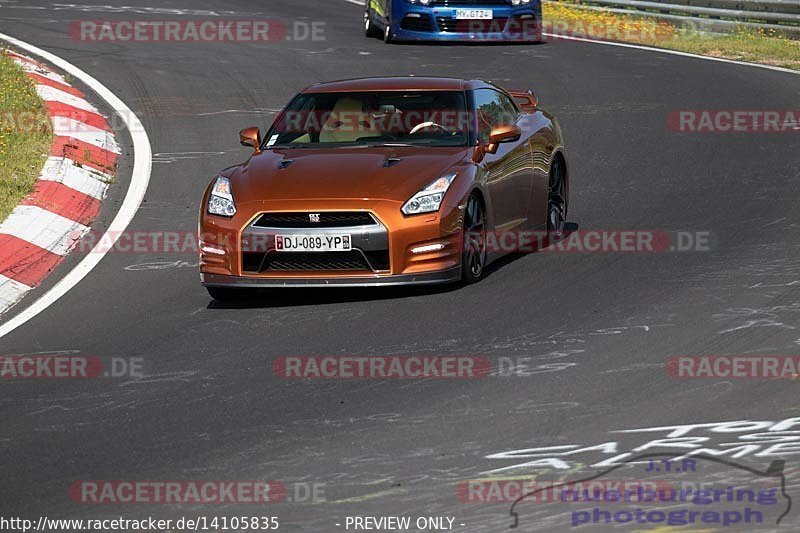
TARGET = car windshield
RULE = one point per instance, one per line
(378, 118)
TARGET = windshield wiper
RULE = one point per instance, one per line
(395, 144)
(293, 145)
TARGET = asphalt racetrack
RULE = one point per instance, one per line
(593, 329)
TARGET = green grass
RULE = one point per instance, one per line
(25, 135)
(756, 46)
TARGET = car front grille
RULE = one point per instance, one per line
(252, 261)
(352, 260)
(339, 219)
(452, 25)
(417, 23)
(368, 237)
(257, 262)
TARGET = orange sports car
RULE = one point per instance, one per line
(383, 181)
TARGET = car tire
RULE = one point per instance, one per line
(387, 31)
(557, 200)
(225, 294)
(473, 253)
(369, 25)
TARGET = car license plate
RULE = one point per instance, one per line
(474, 14)
(313, 243)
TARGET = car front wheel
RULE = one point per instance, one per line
(369, 26)
(557, 200)
(473, 255)
(387, 31)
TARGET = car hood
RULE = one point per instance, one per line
(393, 174)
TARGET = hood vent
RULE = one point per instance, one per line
(391, 161)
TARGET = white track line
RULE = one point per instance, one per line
(651, 49)
(142, 163)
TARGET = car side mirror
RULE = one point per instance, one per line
(502, 134)
(251, 137)
(498, 135)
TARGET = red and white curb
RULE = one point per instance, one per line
(48, 223)
(137, 187)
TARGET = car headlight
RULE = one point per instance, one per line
(518, 2)
(221, 200)
(430, 198)
(421, 2)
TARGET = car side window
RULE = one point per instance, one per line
(511, 108)
(493, 108)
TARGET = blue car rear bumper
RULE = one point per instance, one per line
(435, 23)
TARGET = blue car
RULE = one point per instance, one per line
(454, 20)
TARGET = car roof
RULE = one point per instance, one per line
(397, 83)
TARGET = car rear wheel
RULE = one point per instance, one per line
(473, 256)
(369, 26)
(557, 199)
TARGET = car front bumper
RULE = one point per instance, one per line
(394, 250)
(509, 24)
(451, 275)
